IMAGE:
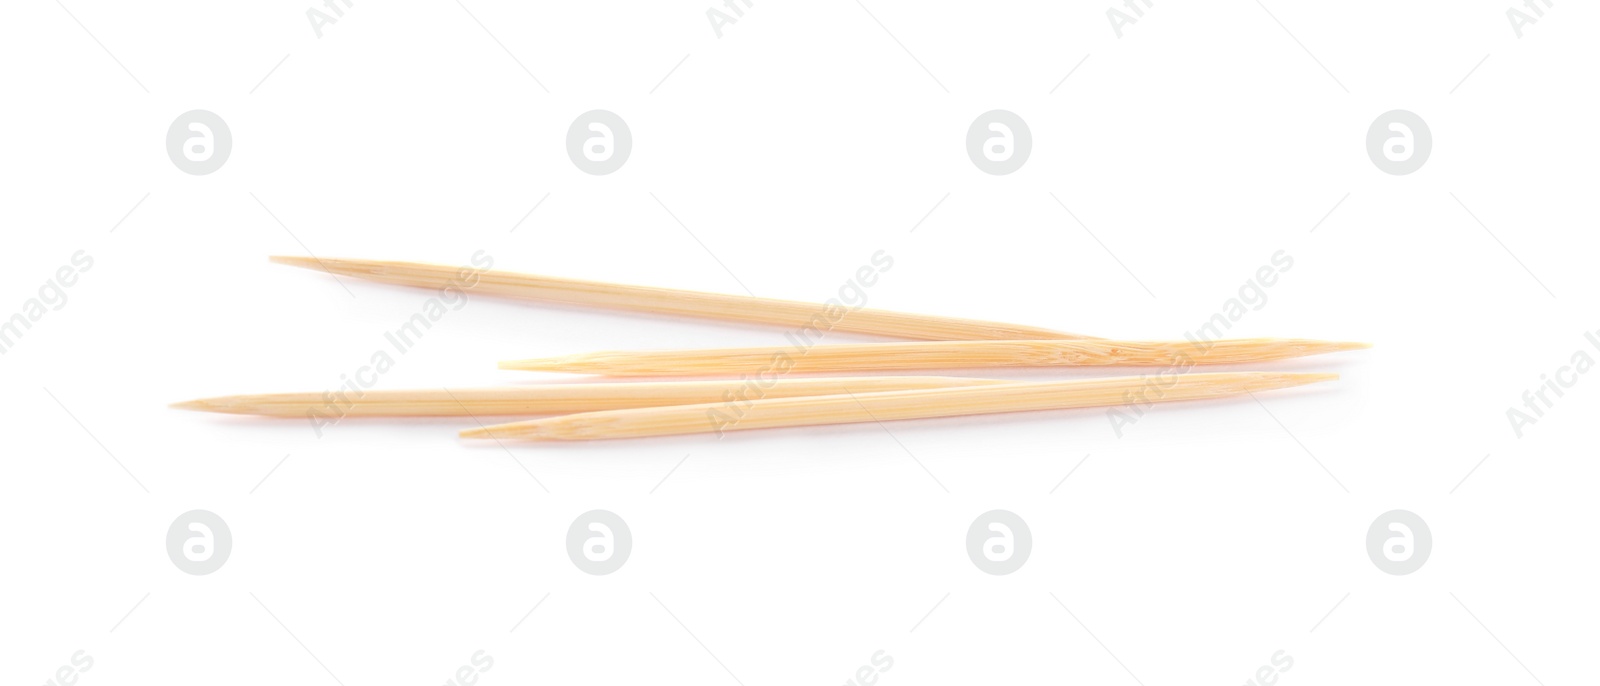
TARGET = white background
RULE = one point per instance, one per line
(804, 139)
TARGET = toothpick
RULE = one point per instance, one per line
(857, 407)
(557, 398)
(929, 355)
(807, 319)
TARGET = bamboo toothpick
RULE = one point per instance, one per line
(558, 398)
(929, 355)
(891, 405)
(788, 313)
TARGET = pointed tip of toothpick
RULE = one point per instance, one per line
(295, 261)
(480, 432)
(223, 405)
(329, 265)
(1316, 346)
(530, 365)
(526, 430)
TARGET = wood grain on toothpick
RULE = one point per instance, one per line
(557, 398)
(787, 313)
(892, 405)
(929, 355)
